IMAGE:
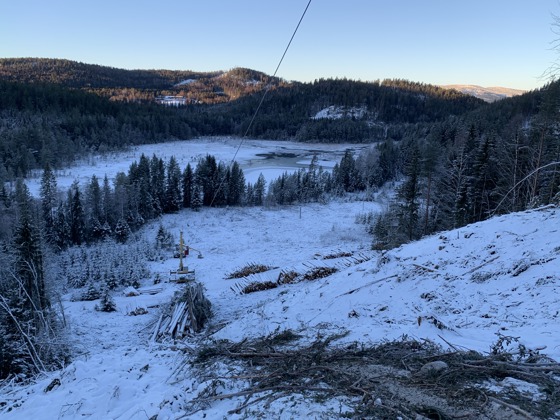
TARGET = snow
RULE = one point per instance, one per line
(254, 156)
(466, 288)
(186, 82)
(337, 112)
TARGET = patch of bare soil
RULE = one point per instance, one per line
(405, 379)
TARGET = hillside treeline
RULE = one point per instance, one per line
(54, 111)
(42, 124)
(502, 158)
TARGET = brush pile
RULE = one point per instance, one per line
(407, 379)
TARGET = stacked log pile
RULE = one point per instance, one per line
(187, 316)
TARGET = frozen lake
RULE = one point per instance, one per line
(271, 158)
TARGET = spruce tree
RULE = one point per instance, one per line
(208, 178)
(236, 185)
(48, 194)
(61, 230)
(106, 304)
(259, 191)
(157, 184)
(77, 218)
(187, 185)
(93, 206)
(107, 202)
(408, 194)
(122, 231)
(164, 238)
(173, 200)
(345, 174)
(29, 256)
(140, 178)
(197, 198)
(483, 182)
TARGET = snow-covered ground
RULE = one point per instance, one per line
(464, 288)
(269, 157)
(337, 112)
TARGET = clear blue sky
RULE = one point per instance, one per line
(483, 42)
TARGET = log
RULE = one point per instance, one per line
(156, 329)
(472, 270)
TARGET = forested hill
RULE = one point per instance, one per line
(137, 85)
(228, 86)
(56, 110)
(343, 110)
(80, 75)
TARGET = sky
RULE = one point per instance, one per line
(484, 42)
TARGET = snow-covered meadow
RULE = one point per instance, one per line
(271, 158)
(464, 288)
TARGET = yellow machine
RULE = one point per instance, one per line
(183, 274)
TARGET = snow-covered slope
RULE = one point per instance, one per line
(468, 286)
(463, 288)
(488, 94)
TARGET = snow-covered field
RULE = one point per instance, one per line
(465, 288)
(271, 158)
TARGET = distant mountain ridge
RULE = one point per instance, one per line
(488, 94)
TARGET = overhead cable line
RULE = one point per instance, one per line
(262, 99)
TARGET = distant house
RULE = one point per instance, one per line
(171, 100)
